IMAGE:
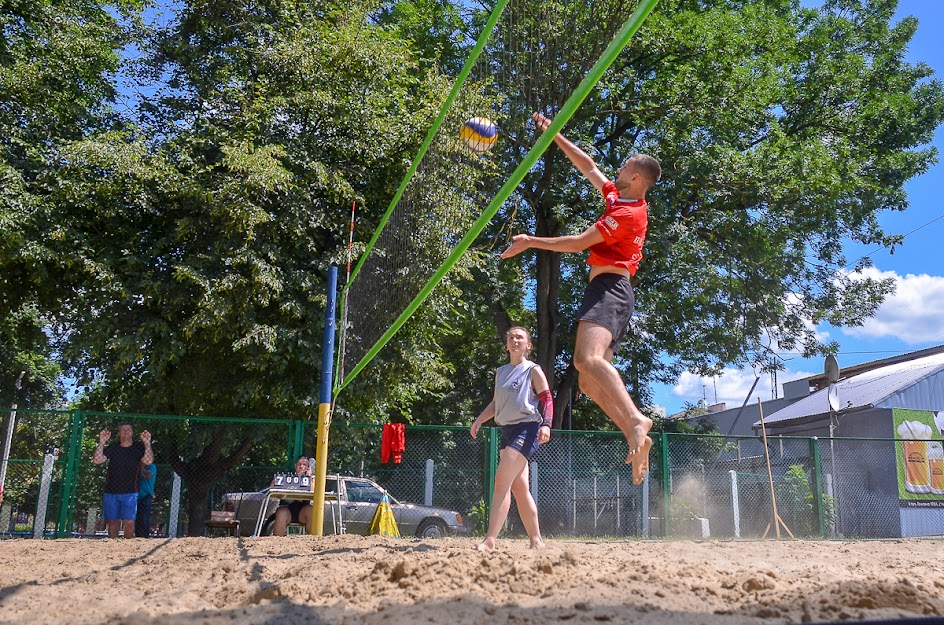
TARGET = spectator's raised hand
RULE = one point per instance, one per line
(104, 436)
(145, 437)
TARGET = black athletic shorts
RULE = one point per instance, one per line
(294, 506)
(609, 302)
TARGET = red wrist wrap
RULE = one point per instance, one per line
(546, 401)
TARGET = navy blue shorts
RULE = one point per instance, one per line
(521, 436)
(609, 302)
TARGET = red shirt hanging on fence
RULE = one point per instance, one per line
(393, 442)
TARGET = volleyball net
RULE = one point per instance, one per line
(526, 59)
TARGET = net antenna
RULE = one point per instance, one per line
(340, 356)
(525, 59)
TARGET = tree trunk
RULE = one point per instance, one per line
(499, 314)
(563, 403)
(546, 295)
(198, 506)
(199, 473)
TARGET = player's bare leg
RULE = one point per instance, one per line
(510, 464)
(640, 460)
(527, 508)
(638, 457)
(601, 382)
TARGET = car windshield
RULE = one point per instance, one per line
(363, 492)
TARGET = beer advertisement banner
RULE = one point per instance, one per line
(920, 457)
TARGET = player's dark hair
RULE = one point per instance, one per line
(648, 167)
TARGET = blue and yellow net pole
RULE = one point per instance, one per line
(324, 408)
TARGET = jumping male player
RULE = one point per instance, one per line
(615, 242)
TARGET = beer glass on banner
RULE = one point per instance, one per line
(914, 445)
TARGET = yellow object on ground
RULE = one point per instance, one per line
(384, 524)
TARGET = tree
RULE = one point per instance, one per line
(190, 244)
(55, 61)
(783, 132)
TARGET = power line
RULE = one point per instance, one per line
(903, 237)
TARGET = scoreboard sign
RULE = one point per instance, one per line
(292, 481)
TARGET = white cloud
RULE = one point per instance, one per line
(732, 386)
(912, 314)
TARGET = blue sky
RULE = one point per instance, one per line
(912, 318)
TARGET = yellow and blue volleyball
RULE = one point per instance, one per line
(479, 134)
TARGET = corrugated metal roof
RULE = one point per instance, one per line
(866, 389)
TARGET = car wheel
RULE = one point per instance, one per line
(431, 528)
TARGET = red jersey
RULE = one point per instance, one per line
(623, 226)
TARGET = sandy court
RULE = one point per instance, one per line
(373, 580)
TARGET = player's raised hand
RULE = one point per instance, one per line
(541, 121)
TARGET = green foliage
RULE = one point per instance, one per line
(478, 518)
(190, 246)
(55, 61)
(795, 502)
(435, 27)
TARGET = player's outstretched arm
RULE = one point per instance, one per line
(570, 243)
(578, 157)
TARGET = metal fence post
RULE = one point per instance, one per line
(428, 490)
(815, 472)
(70, 474)
(491, 466)
(174, 508)
(735, 503)
(646, 532)
(666, 485)
(39, 521)
(298, 443)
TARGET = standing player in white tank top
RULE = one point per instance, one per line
(522, 404)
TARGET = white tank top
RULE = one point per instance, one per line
(515, 399)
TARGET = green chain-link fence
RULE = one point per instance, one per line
(698, 486)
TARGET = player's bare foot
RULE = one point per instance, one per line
(538, 544)
(486, 545)
(639, 459)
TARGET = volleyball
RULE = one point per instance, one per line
(479, 134)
